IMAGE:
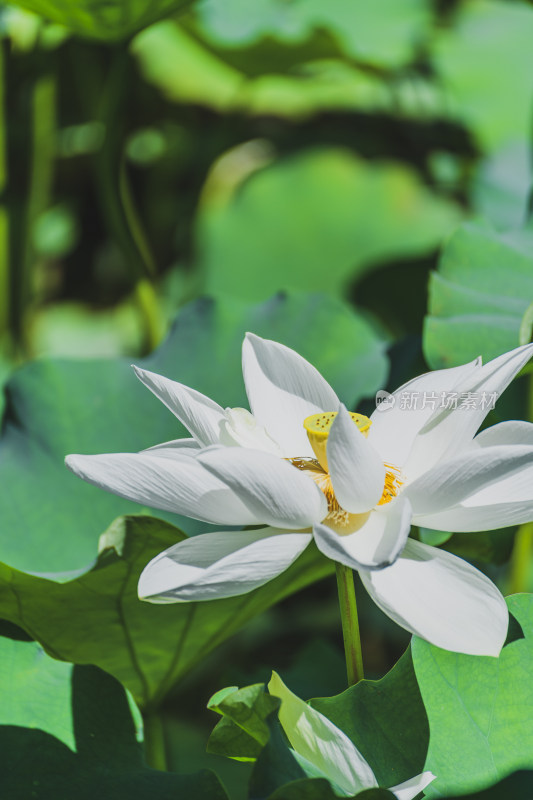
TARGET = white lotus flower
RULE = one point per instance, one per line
(355, 488)
(322, 749)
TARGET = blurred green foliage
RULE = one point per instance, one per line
(111, 19)
(312, 167)
(479, 296)
(298, 146)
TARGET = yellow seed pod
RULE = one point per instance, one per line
(318, 427)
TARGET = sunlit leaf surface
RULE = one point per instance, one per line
(480, 709)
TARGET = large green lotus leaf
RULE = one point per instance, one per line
(384, 32)
(35, 690)
(187, 71)
(68, 732)
(519, 785)
(320, 789)
(103, 19)
(316, 220)
(494, 102)
(479, 295)
(480, 709)
(50, 519)
(97, 618)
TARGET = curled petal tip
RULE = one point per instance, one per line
(71, 461)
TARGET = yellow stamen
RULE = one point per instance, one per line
(318, 427)
(336, 514)
(336, 517)
(392, 484)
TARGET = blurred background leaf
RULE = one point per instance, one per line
(474, 81)
(103, 19)
(313, 222)
(354, 27)
(479, 295)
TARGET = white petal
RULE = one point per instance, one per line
(320, 742)
(219, 564)
(410, 789)
(377, 544)
(466, 518)
(283, 389)
(394, 428)
(442, 599)
(449, 431)
(487, 473)
(200, 415)
(180, 485)
(241, 429)
(511, 432)
(357, 471)
(176, 447)
(272, 489)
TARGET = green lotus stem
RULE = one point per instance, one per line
(146, 299)
(523, 544)
(118, 202)
(155, 751)
(5, 278)
(350, 624)
(40, 189)
(526, 326)
(530, 397)
(136, 229)
(521, 559)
